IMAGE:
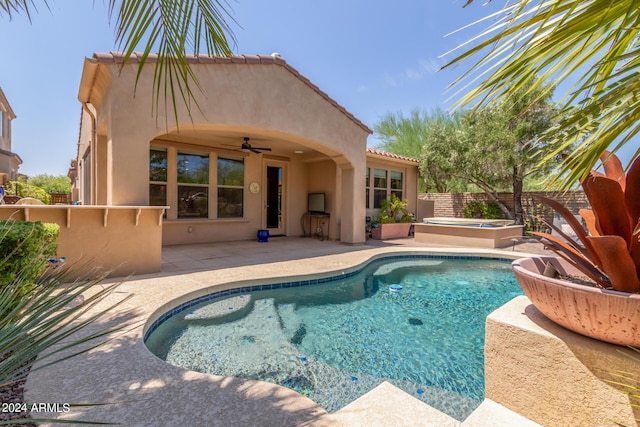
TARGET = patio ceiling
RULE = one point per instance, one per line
(231, 140)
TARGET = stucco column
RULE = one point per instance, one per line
(352, 211)
(128, 178)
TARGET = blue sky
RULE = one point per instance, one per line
(372, 57)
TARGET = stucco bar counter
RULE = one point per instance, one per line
(124, 240)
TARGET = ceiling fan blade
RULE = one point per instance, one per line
(262, 148)
(254, 150)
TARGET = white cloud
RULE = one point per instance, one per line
(424, 67)
(389, 80)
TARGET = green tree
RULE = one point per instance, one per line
(173, 29)
(594, 43)
(60, 184)
(495, 148)
(508, 135)
(407, 136)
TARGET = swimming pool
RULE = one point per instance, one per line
(341, 337)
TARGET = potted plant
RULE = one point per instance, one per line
(593, 286)
(393, 221)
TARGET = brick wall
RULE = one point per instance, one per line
(451, 205)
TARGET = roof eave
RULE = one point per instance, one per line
(89, 71)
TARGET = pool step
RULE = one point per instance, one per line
(491, 414)
(387, 405)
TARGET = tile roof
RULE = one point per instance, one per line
(117, 57)
(391, 155)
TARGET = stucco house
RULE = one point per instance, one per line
(9, 161)
(263, 138)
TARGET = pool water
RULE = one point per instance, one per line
(335, 342)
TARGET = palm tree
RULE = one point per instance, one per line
(594, 43)
(170, 29)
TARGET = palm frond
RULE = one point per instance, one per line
(173, 29)
(595, 42)
(10, 8)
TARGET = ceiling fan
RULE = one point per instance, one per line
(246, 147)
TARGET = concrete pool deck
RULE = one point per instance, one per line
(141, 389)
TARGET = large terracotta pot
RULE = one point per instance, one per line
(605, 315)
(391, 231)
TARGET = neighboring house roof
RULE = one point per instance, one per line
(7, 107)
(117, 57)
(377, 152)
(10, 154)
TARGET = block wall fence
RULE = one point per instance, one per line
(451, 205)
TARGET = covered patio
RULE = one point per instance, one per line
(262, 138)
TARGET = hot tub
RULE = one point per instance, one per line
(483, 233)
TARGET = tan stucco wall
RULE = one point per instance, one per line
(553, 376)
(261, 100)
(6, 116)
(260, 97)
(410, 179)
(126, 240)
(9, 165)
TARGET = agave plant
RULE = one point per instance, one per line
(50, 323)
(609, 253)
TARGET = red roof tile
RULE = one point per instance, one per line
(117, 57)
(391, 155)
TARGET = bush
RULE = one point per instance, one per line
(473, 209)
(60, 184)
(25, 248)
(480, 209)
(492, 211)
(23, 189)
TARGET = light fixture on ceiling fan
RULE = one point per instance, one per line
(246, 147)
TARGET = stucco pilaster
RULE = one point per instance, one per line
(128, 178)
(352, 215)
(101, 170)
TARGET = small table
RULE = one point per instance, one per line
(319, 216)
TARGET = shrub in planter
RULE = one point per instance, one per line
(393, 210)
(393, 221)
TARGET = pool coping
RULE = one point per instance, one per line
(143, 390)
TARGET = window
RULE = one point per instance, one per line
(193, 185)
(158, 178)
(385, 183)
(86, 178)
(230, 187)
(379, 187)
(367, 184)
(183, 177)
(396, 184)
